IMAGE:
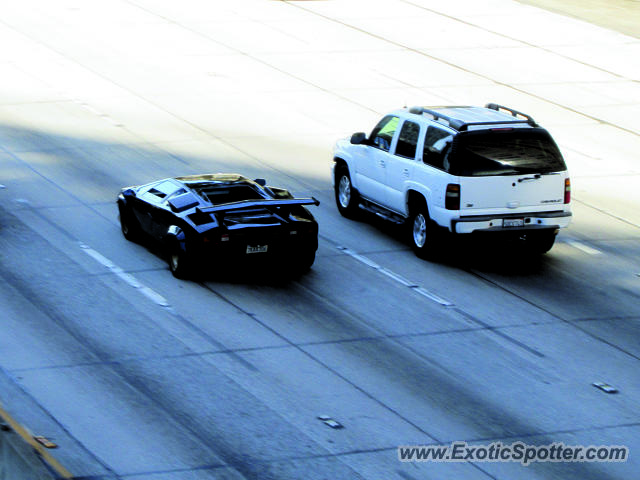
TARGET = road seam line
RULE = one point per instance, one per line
(396, 277)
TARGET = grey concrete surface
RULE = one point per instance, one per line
(620, 15)
(137, 375)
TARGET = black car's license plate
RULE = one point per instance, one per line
(257, 248)
(512, 222)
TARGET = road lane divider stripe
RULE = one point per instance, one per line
(396, 277)
(432, 296)
(129, 279)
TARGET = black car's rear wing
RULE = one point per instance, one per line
(251, 204)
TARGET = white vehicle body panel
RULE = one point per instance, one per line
(387, 180)
(512, 191)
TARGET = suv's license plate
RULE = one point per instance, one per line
(257, 249)
(512, 222)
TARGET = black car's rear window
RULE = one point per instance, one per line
(220, 193)
(504, 152)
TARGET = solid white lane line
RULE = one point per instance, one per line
(396, 277)
(129, 279)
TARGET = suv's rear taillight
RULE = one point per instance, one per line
(452, 197)
(567, 190)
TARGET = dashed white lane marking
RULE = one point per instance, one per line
(432, 296)
(583, 247)
(152, 295)
(97, 112)
(396, 277)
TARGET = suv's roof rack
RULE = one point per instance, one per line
(514, 113)
(461, 125)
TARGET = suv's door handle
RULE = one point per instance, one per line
(381, 163)
(405, 172)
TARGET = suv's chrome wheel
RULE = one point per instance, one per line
(344, 192)
(346, 195)
(419, 230)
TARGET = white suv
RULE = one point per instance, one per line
(466, 169)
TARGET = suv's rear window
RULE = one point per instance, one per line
(504, 152)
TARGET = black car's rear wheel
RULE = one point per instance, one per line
(304, 262)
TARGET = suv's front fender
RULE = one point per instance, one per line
(343, 153)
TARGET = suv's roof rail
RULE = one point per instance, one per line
(453, 122)
(461, 125)
(514, 113)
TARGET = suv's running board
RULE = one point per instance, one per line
(382, 212)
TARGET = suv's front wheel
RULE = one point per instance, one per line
(346, 195)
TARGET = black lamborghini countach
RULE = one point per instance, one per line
(219, 219)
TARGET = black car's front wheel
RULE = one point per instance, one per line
(346, 195)
(128, 225)
(179, 263)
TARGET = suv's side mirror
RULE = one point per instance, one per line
(358, 138)
(260, 181)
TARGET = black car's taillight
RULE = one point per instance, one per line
(567, 190)
(452, 197)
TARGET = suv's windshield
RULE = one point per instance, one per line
(504, 152)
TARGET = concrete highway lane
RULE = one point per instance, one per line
(137, 375)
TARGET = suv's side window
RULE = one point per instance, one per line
(383, 133)
(436, 147)
(408, 140)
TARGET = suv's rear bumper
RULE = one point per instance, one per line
(531, 221)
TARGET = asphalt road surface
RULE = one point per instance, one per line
(137, 375)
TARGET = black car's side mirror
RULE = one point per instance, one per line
(358, 138)
(260, 181)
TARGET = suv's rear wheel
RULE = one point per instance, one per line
(422, 231)
(346, 195)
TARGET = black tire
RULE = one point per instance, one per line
(346, 196)
(129, 225)
(304, 263)
(541, 242)
(179, 263)
(422, 231)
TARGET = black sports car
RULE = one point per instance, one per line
(216, 218)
